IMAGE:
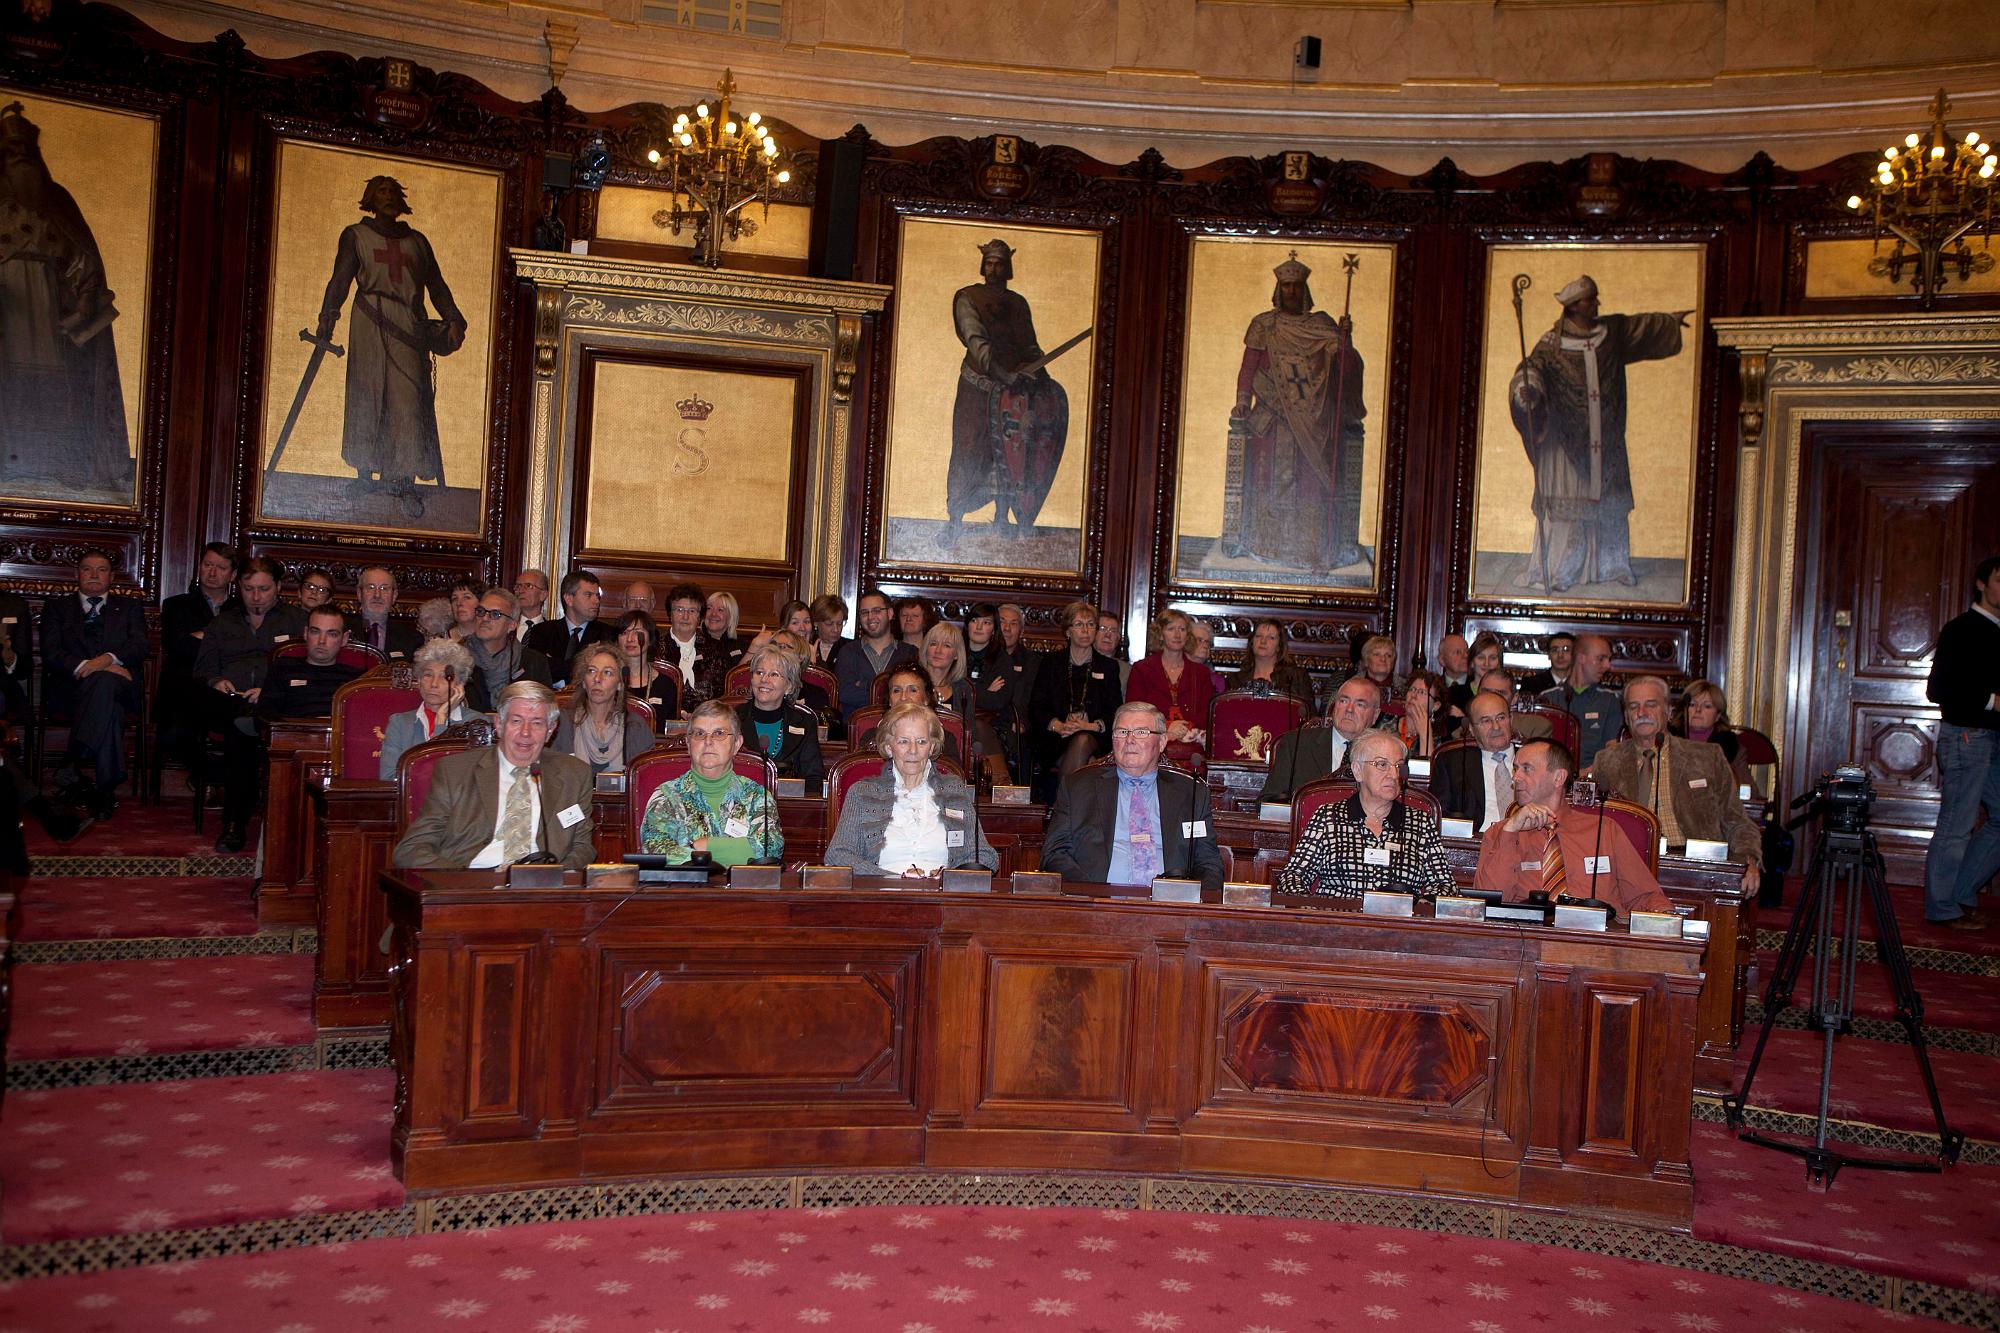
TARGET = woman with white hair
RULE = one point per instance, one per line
(1372, 840)
(776, 721)
(443, 666)
(910, 819)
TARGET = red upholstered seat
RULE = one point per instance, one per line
(1563, 725)
(662, 764)
(419, 762)
(361, 712)
(737, 681)
(357, 655)
(1244, 725)
(822, 678)
(678, 688)
(1641, 825)
(1331, 791)
(855, 768)
(869, 716)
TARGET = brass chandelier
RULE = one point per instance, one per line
(717, 165)
(1930, 192)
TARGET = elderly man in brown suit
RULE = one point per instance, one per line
(491, 807)
(1688, 784)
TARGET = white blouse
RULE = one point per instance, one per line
(916, 832)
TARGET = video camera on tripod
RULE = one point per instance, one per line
(1842, 799)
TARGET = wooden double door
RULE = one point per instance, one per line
(1893, 517)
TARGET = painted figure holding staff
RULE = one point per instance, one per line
(1568, 401)
(1299, 410)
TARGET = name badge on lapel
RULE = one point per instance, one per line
(1097, 675)
(570, 816)
(1697, 782)
(1375, 856)
(1194, 828)
(796, 731)
(954, 837)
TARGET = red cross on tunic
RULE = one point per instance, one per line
(391, 254)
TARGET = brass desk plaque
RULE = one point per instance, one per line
(1167, 890)
(966, 881)
(756, 877)
(826, 877)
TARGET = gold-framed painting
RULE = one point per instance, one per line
(688, 459)
(1284, 397)
(384, 283)
(991, 405)
(1589, 423)
(76, 258)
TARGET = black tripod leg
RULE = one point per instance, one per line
(1778, 993)
(1909, 1004)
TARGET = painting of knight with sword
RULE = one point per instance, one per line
(390, 427)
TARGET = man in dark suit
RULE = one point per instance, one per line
(1561, 648)
(1129, 822)
(1476, 782)
(375, 624)
(93, 647)
(1315, 752)
(184, 622)
(562, 639)
(293, 688)
(493, 806)
(1687, 784)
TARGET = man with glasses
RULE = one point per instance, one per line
(498, 658)
(374, 624)
(562, 639)
(875, 649)
(1130, 821)
(1476, 782)
(531, 588)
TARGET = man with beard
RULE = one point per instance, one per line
(62, 412)
(390, 433)
(1568, 402)
(1007, 425)
(1298, 401)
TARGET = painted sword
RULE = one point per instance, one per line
(320, 346)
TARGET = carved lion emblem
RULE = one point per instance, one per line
(1254, 745)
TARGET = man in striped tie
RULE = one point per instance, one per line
(1548, 845)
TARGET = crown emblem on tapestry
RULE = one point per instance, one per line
(695, 408)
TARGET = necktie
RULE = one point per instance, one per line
(517, 833)
(375, 635)
(576, 640)
(90, 614)
(1146, 860)
(1553, 882)
(1503, 779)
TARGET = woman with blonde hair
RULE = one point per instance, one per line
(1173, 682)
(1703, 715)
(943, 660)
(597, 727)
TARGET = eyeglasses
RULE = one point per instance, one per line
(1379, 765)
(1127, 733)
(488, 613)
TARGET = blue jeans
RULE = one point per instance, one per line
(1960, 862)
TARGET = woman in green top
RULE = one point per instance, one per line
(711, 809)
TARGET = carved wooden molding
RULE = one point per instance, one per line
(708, 286)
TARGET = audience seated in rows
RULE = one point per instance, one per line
(444, 666)
(531, 590)
(1132, 821)
(1270, 663)
(498, 658)
(1476, 781)
(684, 645)
(1546, 845)
(639, 597)
(292, 687)
(910, 819)
(1076, 692)
(1377, 663)
(1425, 723)
(179, 702)
(711, 810)
(873, 650)
(1561, 650)
(94, 647)
(1703, 715)
(722, 649)
(494, 805)
(1373, 840)
(376, 623)
(1595, 708)
(908, 685)
(561, 639)
(466, 595)
(1179, 687)
(638, 653)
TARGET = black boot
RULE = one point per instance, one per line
(234, 835)
(58, 821)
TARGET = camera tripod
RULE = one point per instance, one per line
(1845, 867)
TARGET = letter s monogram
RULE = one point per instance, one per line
(691, 440)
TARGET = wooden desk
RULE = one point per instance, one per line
(351, 983)
(288, 884)
(564, 1035)
(1704, 890)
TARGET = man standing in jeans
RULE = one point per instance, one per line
(1965, 685)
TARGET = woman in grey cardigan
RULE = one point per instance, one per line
(443, 667)
(597, 727)
(910, 820)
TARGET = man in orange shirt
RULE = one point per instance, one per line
(1548, 844)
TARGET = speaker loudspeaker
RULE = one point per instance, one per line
(836, 213)
(1306, 53)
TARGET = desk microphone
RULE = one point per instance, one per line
(535, 776)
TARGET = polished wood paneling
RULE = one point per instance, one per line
(1074, 1033)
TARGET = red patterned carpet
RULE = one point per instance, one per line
(160, 1004)
(940, 1270)
(139, 830)
(149, 1156)
(1933, 1228)
(1951, 999)
(95, 907)
(1875, 1082)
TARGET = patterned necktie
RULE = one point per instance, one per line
(90, 615)
(1503, 779)
(1145, 839)
(517, 832)
(1553, 881)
